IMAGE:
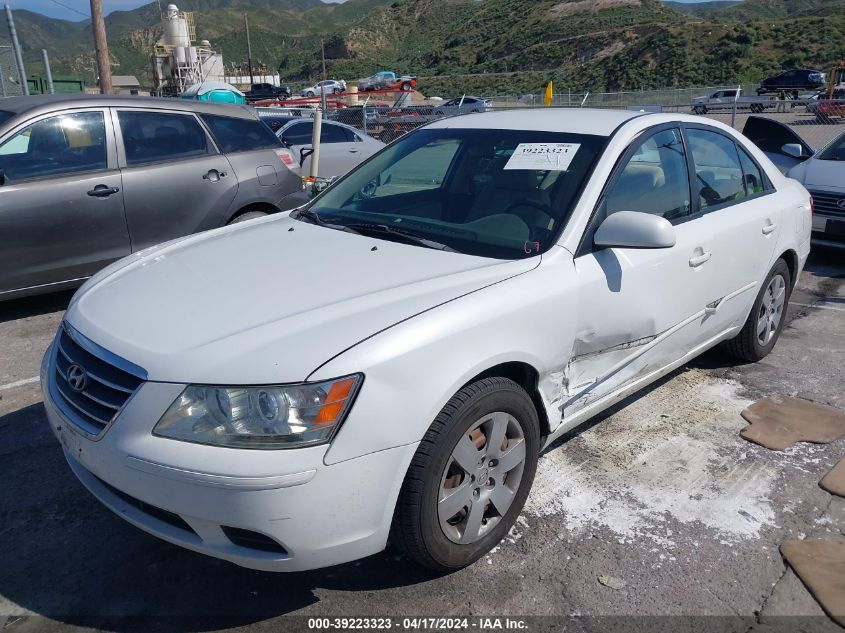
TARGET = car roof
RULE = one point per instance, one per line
(43, 104)
(571, 120)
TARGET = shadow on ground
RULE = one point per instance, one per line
(70, 559)
(33, 306)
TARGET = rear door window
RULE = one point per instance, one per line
(240, 135)
(150, 137)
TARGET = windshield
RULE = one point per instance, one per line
(834, 151)
(5, 116)
(495, 193)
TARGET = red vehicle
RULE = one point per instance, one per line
(833, 108)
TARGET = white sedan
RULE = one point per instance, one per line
(388, 361)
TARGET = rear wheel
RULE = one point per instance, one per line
(406, 86)
(764, 325)
(756, 108)
(247, 215)
(700, 110)
(470, 476)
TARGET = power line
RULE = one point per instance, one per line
(69, 8)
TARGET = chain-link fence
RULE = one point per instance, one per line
(388, 115)
(9, 82)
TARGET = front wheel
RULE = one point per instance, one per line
(470, 476)
(764, 325)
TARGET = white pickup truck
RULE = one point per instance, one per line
(724, 100)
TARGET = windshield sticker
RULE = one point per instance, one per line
(543, 156)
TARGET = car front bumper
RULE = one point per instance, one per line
(276, 510)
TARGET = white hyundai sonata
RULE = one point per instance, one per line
(386, 363)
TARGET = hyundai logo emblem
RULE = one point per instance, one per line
(841, 203)
(76, 377)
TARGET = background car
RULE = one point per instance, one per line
(822, 173)
(329, 87)
(793, 81)
(463, 105)
(387, 80)
(342, 147)
(87, 180)
(262, 92)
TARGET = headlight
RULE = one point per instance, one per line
(286, 416)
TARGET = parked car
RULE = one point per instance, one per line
(828, 110)
(447, 310)
(463, 105)
(822, 173)
(277, 120)
(266, 92)
(342, 147)
(329, 87)
(793, 81)
(387, 80)
(724, 100)
(87, 180)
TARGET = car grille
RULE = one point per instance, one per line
(91, 389)
(829, 203)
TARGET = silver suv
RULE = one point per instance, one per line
(87, 180)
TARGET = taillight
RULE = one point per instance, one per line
(286, 156)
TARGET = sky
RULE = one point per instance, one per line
(80, 9)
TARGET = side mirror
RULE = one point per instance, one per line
(793, 149)
(632, 229)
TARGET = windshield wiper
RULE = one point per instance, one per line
(390, 232)
(308, 214)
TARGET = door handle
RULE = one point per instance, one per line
(698, 260)
(102, 191)
(769, 228)
(353, 150)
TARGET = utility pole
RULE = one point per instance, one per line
(248, 50)
(17, 48)
(47, 71)
(102, 46)
(323, 51)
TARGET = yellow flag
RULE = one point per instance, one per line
(547, 98)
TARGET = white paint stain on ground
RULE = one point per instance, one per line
(675, 453)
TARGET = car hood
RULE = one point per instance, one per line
(267, 301)
(821, 174)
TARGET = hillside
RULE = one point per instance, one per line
(490, 47)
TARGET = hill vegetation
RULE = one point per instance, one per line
(480, 46)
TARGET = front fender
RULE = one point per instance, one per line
(412, 369)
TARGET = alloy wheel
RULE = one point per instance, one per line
(481, 478)
(771, 310)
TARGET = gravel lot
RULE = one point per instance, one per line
(660, 493)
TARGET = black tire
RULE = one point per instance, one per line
(699, 110)
(746, 345)
(310, 93)
(756, 108)
(246, 215)
(406, 86)
(416, 527)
